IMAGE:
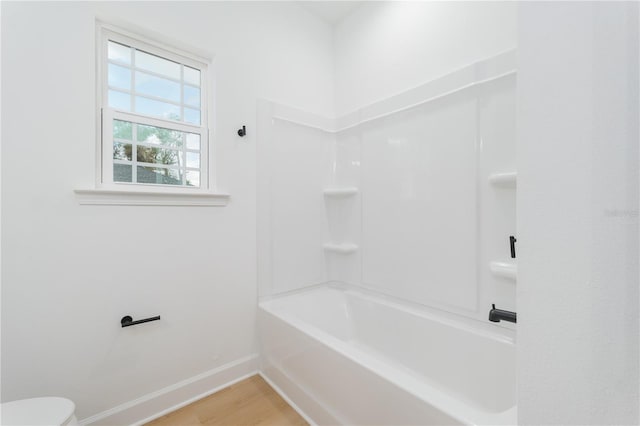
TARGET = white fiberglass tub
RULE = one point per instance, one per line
(345, 356)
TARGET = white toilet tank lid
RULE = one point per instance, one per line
(37, 411)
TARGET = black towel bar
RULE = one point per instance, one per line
(127, 321)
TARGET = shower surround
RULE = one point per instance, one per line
(411, 201)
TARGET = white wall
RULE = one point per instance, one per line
(70, 272)
(578, 213)
(383, 48)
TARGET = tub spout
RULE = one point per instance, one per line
(497, 315)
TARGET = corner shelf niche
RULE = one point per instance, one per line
(344, 248)
(507, 180)
(504, 270)
(348, 191)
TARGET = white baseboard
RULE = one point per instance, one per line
(171, 398)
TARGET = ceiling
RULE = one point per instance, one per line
(330, 11)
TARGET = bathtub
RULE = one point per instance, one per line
(341, 355)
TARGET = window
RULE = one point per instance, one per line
(153, 104)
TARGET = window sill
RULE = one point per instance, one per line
(115, 197)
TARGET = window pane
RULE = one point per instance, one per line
(192, 95)
(121, 173)
(119, 77)
(119, 52)
(122, 151)
(193, 160)
(159, 136)
(119, 100)
(193, 178)
(157, 108)
(191, 76)
(122, 130)
(156, 86)
(157, 64)
(159, 176)
(193, 141)
(192, 115)
(159, 156)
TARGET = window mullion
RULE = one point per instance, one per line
(133, 78)
(134, 153)
(183, 171)
(182, 92)
(147, 71)
(148, 96)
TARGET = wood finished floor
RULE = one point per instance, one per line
(249, 402)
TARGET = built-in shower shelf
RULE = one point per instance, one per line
(504, 179)
(341, 192)
(344, 248)
(504, 270)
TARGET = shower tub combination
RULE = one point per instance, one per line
(343, 355)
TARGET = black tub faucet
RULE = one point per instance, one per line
(497, 315)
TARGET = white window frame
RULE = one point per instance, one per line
(106, 115)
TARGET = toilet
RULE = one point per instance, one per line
(39, 411)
